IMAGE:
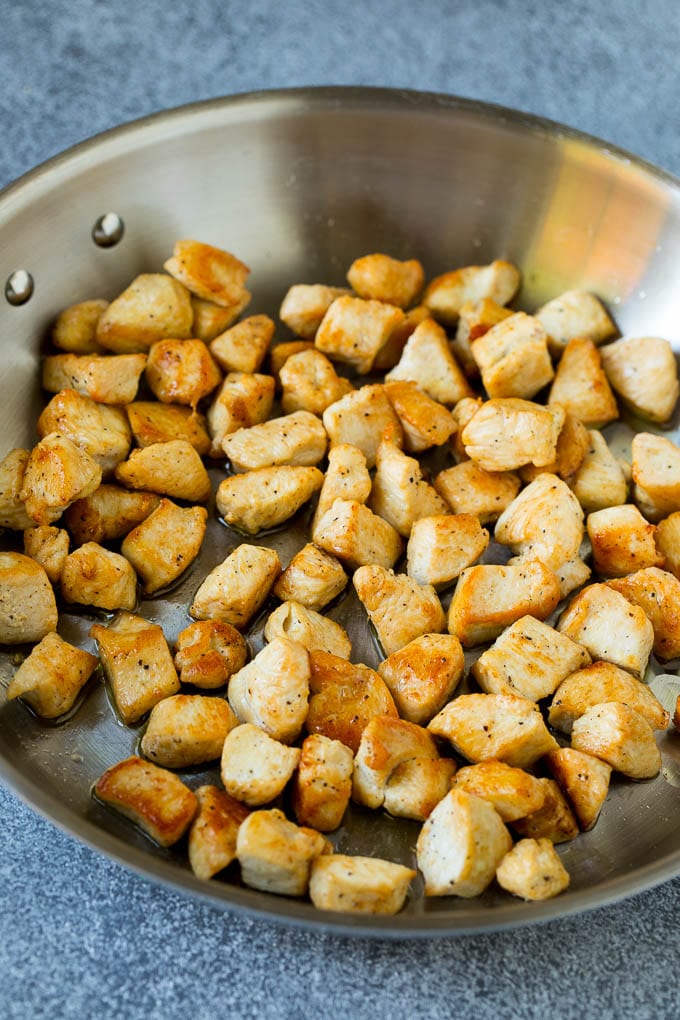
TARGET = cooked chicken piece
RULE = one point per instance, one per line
(470, 490)
(533, 871)
(357, 536)
(107, 379)
(272, 691)
(676, 714)
(507, 433)
(360, 419)
(210, 319)
(513, 792)
(305, 305)
(310, 629)
(208, 652)
(236, 588)
(416, 786)
(186, 730)
(152, 422)
(381, 278)
(501, 727)
(48, 546)
(489, 598)
(50, 679)
(137, 664)
(441, 547)
(644, 373)
(576, 313)
(212, 836)
(425, 422)
(57, 473)
(346, 478)
(571, 575)
(446, 294)
(243, 400)
(619, 735)
(385, 743)
(12, 510)
(581, 385)
(656, 473)
(399, 608)
(310, 383)
(344, 698)
(667, 538)
(583, 779)
(609, 627)
(266, 497)
(209, 273)
(165, 544)
(462, 413)
(101, 431)
(544, 522)
(281, 352)
(172, 469)
(400, 494)
(529, 659)
(76, 327)
(181, 372)
(597, 683)
(622, 541)
(276, 855)
(154, 306)
(243, 347)
(460, 846)
(423, 675)
(657, 592)
(297, 438)
(95, 576)
(153, 798)
(554, 820)
(313, 578)
(390, 353)
(513, 357)
(28, 610)
(600, 481)
(358, 885)
(476, 318)
(427, 360)
(323, 782)
(255, 767)
(108, 513)
(353, 331)
(572, 447)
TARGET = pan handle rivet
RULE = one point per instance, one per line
(108, 230)
(19, 287)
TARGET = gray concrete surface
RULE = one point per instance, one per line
(80, 936)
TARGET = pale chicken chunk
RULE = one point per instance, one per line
(208, 272)
(108, 379)
(475, 319)
(346, 478)
(309, 628)
(425, 422)
(76, 327)
(446, 294)
(469, 489)
(358, 885)
(460, 846)
(243, 347)
(583, 779)
(153, 798)
(52, 676)
(513, 792)
(353, 331)
(242, 400)
(609, 627)
(154, 306)
(108, 513)
(529, 659)
(533, 871)
(313, 578)
(576, 313)
(28, 610)
(344, 698)
(388, 355)
(489, 598)
(181, 372)
(572, 446)
(463, 412)
(416, 786)
(503, 727)
(385, 743)
(236, 588)
(656, 473)
(95, 576)
(620, 736)
(276, 855)
(297, 438)
(382, 278)
(210, 319)
(254, 767)
(423, 675)
(280, 353)
(172, 469)
(400, 494)
(657, 592)
(554, 820)
(600, 481)
(212, 837)
(571, 575)
(310, 383)
(165, 544)
(427, 360)
(102, 431)
(185, 730)
(597, 683)
(12, 510)
(49, 547)
(507, 433)
(399, 608)
(57, 473)
(441, 547)
(513, 357)
(644, 373)
(360, 419)
(323, 782)
(153, 422)
(544, 522)
(208, 652)
(581, 385)
(357, 536)
(266, 497)
(305, 305)
(272, 691)
(622, 541)
(667, 538)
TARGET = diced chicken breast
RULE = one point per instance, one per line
(57, 473)
(382, 278)
(153, 422)
(310, 629)
(656, 473)
(12, 510)
(209, 273)
(385, 743)
(243, 400)
(346, 478)
(297, 438)
(76, 327)
(583, 779)
(644, 373)
(272, 691)
(208, 652)
(353, 331)
(533, 871)
(323, 782)
(416, 786)
(576, 313)
(310, 383)
(212, 837)
(554, 820)
(165, 544)
(597, 683)
(667, 538)
(95, 576)
(400, 494)
(620, 736)
(28, 610)
(400, 609)
(581, 385)
(49, 547)
(313, 578)
(622, 541)
(236, 588)
(154, 799)
(427, 360)
(600, 481)
(279, 354)
(344, 698)
(357, 536)
(358, 885)
(441, 547)
(360, 419)
(425, 422)
(305, 305)
(446, 294)
(513, 792)
(469, 489)
(186, 730)
(101, 431)
(107, 379)
(108, 513)
(254, 767)
(181, 372)
(266, 497)
(476, 318)
(210, 319)
(657, 592)
(50, 679)
(172, 469)
(571, 575)
(572, 446)
(609, 627)
(243, 347)
(507, 433)
(154, 306)
(544, 522)
(423, 675)
(276, 855)
(513, 357)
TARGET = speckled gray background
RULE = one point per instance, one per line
(80, 936)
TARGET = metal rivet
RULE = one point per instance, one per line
(108, 230)
(19, 287)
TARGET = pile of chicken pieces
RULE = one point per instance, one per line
(113, 499)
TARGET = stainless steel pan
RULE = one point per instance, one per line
(299, 183)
